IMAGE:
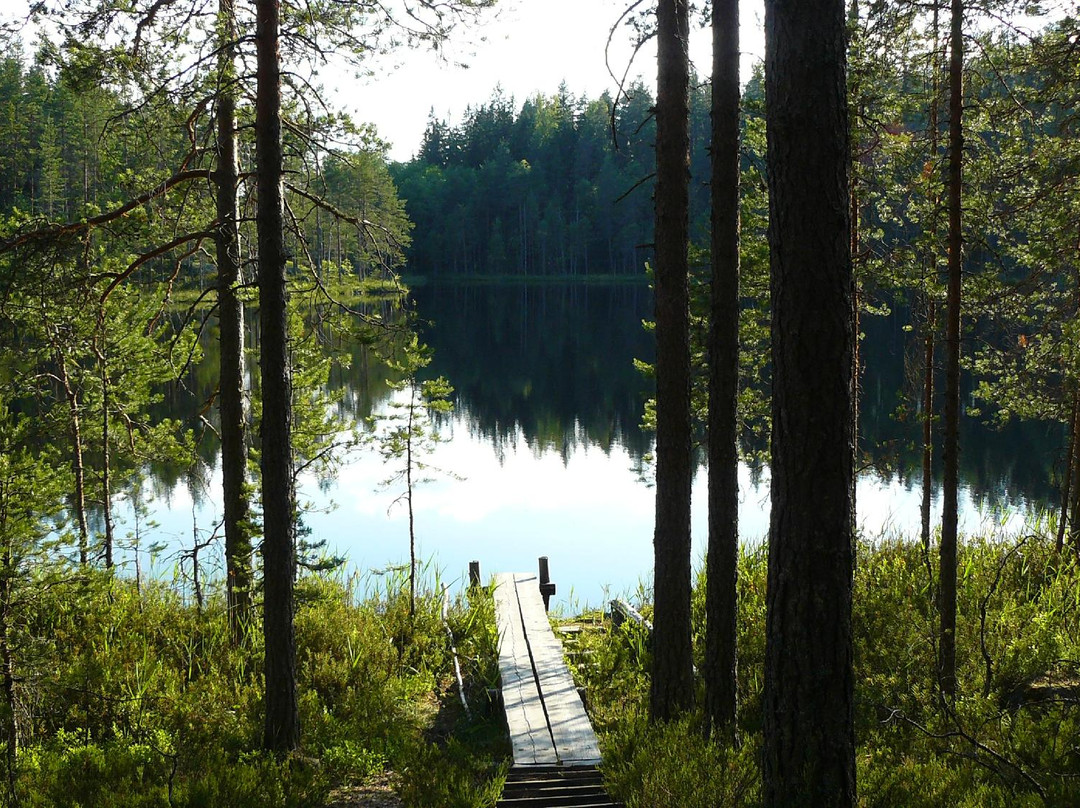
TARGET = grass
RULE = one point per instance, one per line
(1012, 737)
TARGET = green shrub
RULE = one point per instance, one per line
(649, 766)
(1010, 738)
(139, 699)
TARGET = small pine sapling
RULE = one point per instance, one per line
(408, 432)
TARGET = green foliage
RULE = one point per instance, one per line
(141, 700)
(451, 775)
(553, 192)
(674, 764)
(1008, 739)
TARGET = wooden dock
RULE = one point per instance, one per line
(554, 746)
(547, 721)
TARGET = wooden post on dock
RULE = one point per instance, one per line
(547, 588)
(474, 574)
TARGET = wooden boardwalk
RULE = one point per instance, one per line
(547, 721)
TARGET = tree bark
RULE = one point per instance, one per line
(672, 674)
(106, 454)
(722, 560)
(930, 328)
(409, 497)
(950, 457)
(282, 726)
(7, 661)
(809, 746)
(1067, 483)
(928, 423)
(854, 235)
(77, 466)
(1074, 508)
(231, 319)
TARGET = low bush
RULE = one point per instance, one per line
(1010, 738)
(130, 697)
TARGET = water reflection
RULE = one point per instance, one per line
(553, 362)
(546, 439)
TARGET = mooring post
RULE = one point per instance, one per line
(547, 588)
(474, 574)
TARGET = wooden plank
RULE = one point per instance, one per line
(571, 730)
(530, 737)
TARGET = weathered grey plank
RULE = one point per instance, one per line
(571, 730)
(530, 737)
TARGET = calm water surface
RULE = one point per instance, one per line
(546, 457)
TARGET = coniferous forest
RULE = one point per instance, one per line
(204, 295)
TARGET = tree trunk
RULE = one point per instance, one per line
(930, 328)
(282, 727)
(928, 423)
(1066, 486)
(721, 604)
(231, 319)
(854, 236)
(409, 498)
(106, 458)
(77, 466)
(672, 673)
(809, 746)
(7, 660)
(1074, 508)
(951, 450)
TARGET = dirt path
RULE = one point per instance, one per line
(378, 793)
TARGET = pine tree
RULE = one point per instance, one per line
(808, 702)
(672, 680)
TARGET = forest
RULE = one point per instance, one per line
(204, 284)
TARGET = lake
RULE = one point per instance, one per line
(544, 455)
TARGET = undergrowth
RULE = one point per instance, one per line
(129, 698)
(1011, 738)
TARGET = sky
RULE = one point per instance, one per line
(526, 46)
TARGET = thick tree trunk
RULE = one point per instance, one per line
(231, 318)
(721, 605)
(809, 746)
(672, 675)
(951, 450)
(282, 727)
(854, 236)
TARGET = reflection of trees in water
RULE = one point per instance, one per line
(550, 363)
(553, 365)
(1006, 467)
